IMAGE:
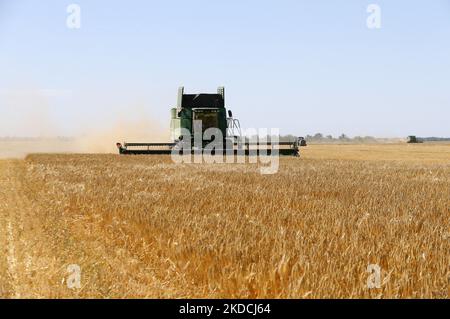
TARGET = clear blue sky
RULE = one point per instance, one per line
(301, 66)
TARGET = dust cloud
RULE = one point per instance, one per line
(104, 140)
(28, 126)
(94, 141)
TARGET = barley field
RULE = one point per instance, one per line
(143, 226)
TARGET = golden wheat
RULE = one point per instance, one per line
(145, 227)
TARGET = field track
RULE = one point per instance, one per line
(146, 227)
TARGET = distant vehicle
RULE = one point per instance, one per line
(412, 139)
(301, 141)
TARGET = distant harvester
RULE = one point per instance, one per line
(412, 139)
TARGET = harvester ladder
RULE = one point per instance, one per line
(234, 128)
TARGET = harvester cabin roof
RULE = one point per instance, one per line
(203, 100)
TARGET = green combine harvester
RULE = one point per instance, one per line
(208, 110)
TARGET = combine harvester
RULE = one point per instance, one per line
(210, 110)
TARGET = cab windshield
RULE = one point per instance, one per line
(209, 118)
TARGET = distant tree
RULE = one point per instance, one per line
(343, 137)
(318, 136)
(287, 138)
(330, 137)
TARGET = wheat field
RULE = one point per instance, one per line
(143, 226)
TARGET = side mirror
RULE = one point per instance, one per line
(230, 114)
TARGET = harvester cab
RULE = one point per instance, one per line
(207, 110)
(190, 120)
